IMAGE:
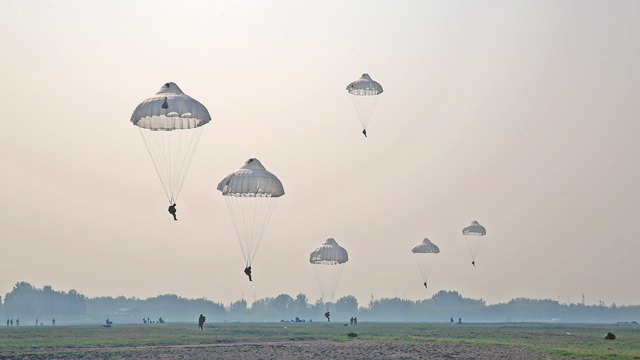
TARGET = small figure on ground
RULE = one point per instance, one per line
(460, 321)
(247, 271)
(351, 321)
(364, 132)
(425, 285)
(109, 322)
(53, 321)
(451, 319)
(11, 322)
(17, 322)
(144, 320)
(355, 321)
(201, 320)
(172, 211)
(473, 263)
(327, 315)
(161, 321)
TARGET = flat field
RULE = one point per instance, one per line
(321, 341)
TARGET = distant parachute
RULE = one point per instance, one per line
(425, 256)
(328, 262)
(473, 234)
(170, 123)
(251, 193)
(364, 93)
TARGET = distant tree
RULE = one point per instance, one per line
(281, 304)
(25, 299)
(238, 308)
(300, 305)
(347, 305)
(447, 298)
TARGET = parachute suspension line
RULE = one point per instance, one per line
(473, 243)
(425, 263)
(233, 210)
(155, 151)
(328, 277)
(364, 107)
(171, 153)
(186, 149)
(250, 216)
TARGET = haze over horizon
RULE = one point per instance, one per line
(522, 115)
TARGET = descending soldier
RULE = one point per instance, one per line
(172, 211)
(425, 285)
(473, 263)
(247, 271)
(327, 315)
(364, 132)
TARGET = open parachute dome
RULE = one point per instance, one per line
(474, 234)
(170, 123)
(251, 193)
(170, 109)
(475, 229)
(364, 86)
(251, 180)
(329, 253)
(425, 247)
(364, 94)
(425, 254)
(328, 261)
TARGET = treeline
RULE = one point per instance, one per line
(27, 302)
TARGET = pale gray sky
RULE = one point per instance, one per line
(522, 115)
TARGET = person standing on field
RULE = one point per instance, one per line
(201, 321)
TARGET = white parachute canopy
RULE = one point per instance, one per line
(251, 193)
(474, 234)
(170, 123)
(328, 261)
(364, 94)
(425, 254)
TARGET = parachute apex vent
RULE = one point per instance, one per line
(330, 241)
(253, 164)
(170, 88)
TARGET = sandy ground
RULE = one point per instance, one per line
(269, 349)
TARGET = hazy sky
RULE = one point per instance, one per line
(522, 115)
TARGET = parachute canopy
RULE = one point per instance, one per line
(364, 86)
(170, 124)
(474, 234)
(329, 253)
(251, 193)
(251, 180)
(364, 94)
(475, 229)
(170, 109)
(328, 261)
(425, 247)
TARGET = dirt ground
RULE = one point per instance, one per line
(281, 349)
